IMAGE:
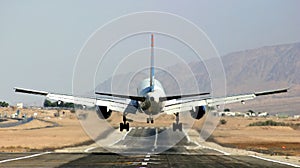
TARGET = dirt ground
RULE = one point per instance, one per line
(274, 140)
(48, 132)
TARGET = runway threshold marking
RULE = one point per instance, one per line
(146, 160)
(24, 157)
(275, 161)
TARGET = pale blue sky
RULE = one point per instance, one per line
(44, 37)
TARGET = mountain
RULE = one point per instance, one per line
(265, 68)
(246, 71)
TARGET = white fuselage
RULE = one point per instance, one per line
(151, 105)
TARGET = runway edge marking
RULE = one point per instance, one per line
(202, 146)
(275, 161)
(88, 149)
(24, 157)
(187, 136)
(123, 138)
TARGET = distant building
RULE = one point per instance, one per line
(263, 114)
(19, 105)
(296, 116)
(228, 114)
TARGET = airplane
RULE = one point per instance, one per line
(151, 100)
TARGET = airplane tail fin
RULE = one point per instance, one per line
(152, 63)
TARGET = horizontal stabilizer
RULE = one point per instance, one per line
(30, 91)
(137, 98)
(181, 96)
(271, 92)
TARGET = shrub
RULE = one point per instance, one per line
(223, 121)
(269, 123)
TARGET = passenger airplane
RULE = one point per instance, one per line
(151, 100)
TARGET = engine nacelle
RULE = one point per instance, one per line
(103, 112)
(198, 112)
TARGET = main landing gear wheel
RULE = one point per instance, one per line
(177, 124)
(150, 120)
(125, 124)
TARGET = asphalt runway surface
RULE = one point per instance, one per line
(144, 151)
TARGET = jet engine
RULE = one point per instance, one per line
(198, 112)
(103, 112)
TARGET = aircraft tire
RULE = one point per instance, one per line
(180, 127)
(127, 127)
(174, 127)
(121, 127)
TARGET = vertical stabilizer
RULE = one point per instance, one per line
(152, 63)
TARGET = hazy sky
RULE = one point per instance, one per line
(44, 37)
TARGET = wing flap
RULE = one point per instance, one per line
(182, 106)
(173, 106)
(181, 96)
(137, 98)
(124, 105)
(271, 92)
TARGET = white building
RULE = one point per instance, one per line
(19, 105)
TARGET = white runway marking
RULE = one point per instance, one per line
(91, 148)
(156, 136)
(206, 147)
(126, 133)
(144, 163)
(224, 153)
(24, 157)
(275, 161)
(123, 138)
(187, 136)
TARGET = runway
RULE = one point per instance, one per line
(141, 152)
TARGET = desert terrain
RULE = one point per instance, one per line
(273, 140)
(48, 132)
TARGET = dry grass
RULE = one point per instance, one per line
(268, 139)
(36, 136)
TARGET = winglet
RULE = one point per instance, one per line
(30, 91)
(271, 92)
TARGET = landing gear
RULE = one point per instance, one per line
(125, 124)
(177, 124)
(150, 119)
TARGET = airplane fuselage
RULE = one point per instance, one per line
(152, 105)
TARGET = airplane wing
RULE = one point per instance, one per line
(174, 106)
(119, 105)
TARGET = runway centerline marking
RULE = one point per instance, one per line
(24, 157)
(275, 161)
(156, 136)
